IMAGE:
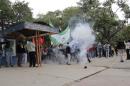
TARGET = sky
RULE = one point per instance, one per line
(43, 6)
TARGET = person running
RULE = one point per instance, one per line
(89, 54)
(68, 53)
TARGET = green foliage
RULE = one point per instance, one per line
(11, 13)
(5, 5)
(107, 24)
(123, 34)
(54, 17)
(124, 7)
(68, 13)
(5, 10)
(22, 11)
(58, 18)
(89, 7)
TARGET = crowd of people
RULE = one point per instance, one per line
(121, 49)
(71, 53)
(58, 53)
(105, 50)
(20, 54)
(62, 54)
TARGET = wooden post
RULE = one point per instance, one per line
(38, 49)
(36, 42)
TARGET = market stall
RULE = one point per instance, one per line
(26, 31)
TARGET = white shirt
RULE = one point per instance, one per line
(30, 47)
(127, 45)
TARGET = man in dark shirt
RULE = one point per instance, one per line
(19, 52)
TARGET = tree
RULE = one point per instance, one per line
(106, 22)
(5, 10)
(69, 13)
(58, 18)
(22, 11)
(89, 7)
(123, 34)
(107, 25)
(11, 13)
(53, 17)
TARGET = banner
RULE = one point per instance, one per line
(61, 38)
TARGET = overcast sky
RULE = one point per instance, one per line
(43, 6)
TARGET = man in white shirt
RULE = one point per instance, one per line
(99, 49)
(31, 50)
(127, 47)
(107, 49)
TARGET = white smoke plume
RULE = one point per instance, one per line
(83, 37)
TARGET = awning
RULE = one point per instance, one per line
(27, 30)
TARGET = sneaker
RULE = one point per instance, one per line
(12, 65)
(121, 61)
(68, 63)
(85, 67)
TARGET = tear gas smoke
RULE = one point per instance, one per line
(83, 38)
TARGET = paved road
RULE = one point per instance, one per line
(47, 75)
(100, 72)
(110, 77)
(115, 74)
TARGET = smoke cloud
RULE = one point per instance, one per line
(83, 38)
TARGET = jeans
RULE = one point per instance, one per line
(107, 52)
(99, 51)
(24, 60)
(9, 59)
